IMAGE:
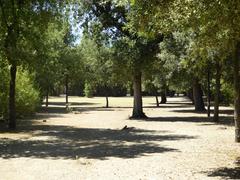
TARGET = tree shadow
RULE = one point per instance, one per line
(53, 110)
(224, 120)
(227, 172)
(169, 106)
(224, 111)
(189, 111)
(71, 103)
(70, 143)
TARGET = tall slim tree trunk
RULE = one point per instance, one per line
(106, 95)
(157, 102)
(237, 93)
(47, 95)
(197, 95)
(107, 103)
(208, 93)
(66, 88)
(12, 94)
(217, 92)
(137, 102)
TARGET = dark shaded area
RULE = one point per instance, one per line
(71, 103)
(222, 120)
(169, 106)
(226, 111)
(53, 110)
(226, 172)
(184, 102)
(68, 143)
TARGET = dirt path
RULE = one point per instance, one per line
(175, 143)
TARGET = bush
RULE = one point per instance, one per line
(27, 96)
(4, 84)
(227, 93)
(88, 90)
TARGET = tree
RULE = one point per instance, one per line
(113, 19)
(203, 17)
(21, 24)
(98, 60)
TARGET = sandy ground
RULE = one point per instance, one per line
(88, 143)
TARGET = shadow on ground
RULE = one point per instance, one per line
(227, 172)
(169, 106)
(223, 120)
(72, 103)
(68, 143)
(224, 111)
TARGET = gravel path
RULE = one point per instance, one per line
(88, 143)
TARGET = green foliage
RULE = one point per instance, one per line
(4, 83)
(88, 90)
(227, 93)
(27, 96)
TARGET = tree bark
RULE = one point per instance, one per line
(163, 98)
(47, 95)
(237, 93)
(208, 93)
(217, 92)
(137, 112)
(107, 103)
(163, 95)
(190, 95)
(66, 89)
(197, 95)
(157, 102)
(12, 93)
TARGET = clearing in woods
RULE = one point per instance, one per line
(89, 143)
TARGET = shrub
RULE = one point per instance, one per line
(27, 96)
(88, 90)
(4, 84)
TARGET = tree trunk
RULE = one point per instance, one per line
(157, 102)
(66, 88)
(163, 95)
(208, 94)
(237, 93)
(197, 95)
(163, 98)
(190, 95)
(137, 102)
(107, 104)
(12, 93)
(47, 95)
(217, 92)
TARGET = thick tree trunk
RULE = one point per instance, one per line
(47, 95)
(66, 88)
(163, 98)
(190, 95)
(163, 94)
(197, 95)
(12, 93)
(208, 94)
(217, 93)
(237, 93)
(137, 102)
